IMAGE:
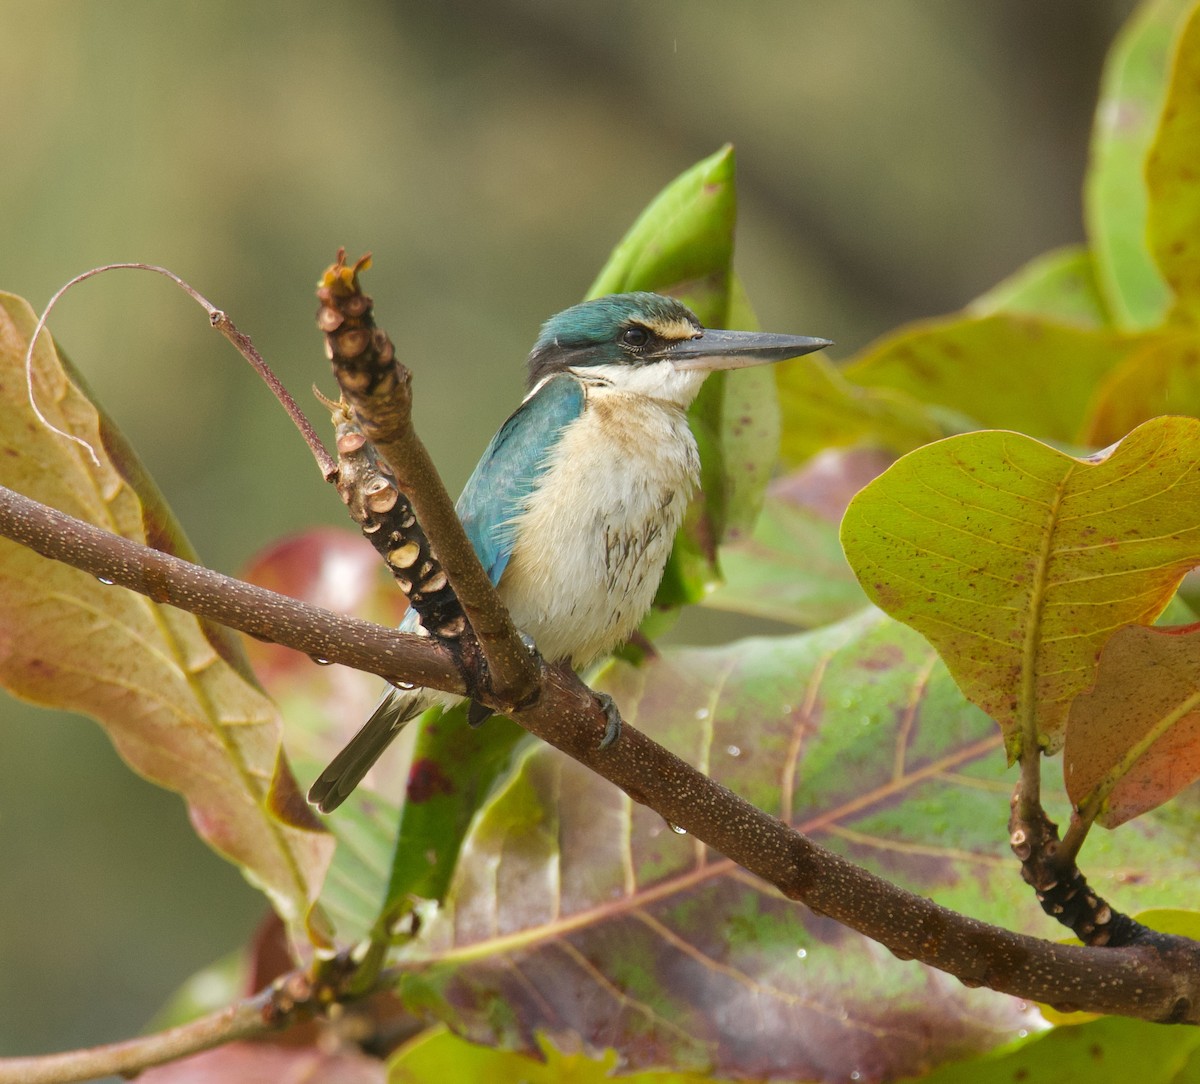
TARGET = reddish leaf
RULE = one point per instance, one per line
(339, 570)
(253, 1063)
(577, 912)
(1133, 740)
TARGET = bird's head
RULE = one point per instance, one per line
(650, 343)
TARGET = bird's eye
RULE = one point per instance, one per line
(635, 336)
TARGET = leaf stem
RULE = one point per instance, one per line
(1074, 837)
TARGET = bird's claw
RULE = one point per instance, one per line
(612, 726)
(477, 713)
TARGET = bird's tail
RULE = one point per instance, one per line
(345, 771)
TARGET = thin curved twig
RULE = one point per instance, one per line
(220, 320)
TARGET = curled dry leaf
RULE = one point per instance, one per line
(174, 693)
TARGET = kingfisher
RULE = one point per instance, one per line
(574, 506)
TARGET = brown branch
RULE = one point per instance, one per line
(1049, 866)
(1049, 869)
(1153, 981)
(1154, 978)
(567, 716)
(254, 610)
(379, 390)
(289, 1000)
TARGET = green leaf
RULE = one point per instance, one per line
(1160, 375)
(438, 1055)
(578, 914)
(682, 244)
(1059, 285)
(452, 771)
(822, 409)
(1111, 1050)
(792, 568)
(173, 693)
(1174, 218)
(1116, 199)
(1133, 738)
(1018, 562)
(749, 427)
(354, 894)
(1003, 371)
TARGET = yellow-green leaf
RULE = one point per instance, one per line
(1160, 376)
(1059, 285)
(174, 694)
(1116, 200)
(1018, 562)
(822, 409)
(1003, 371)
(1171, 175)
(438, 1055)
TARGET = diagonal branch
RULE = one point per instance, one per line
(379, 388)
(256, 611)
(1155, 978)
(1152, 976)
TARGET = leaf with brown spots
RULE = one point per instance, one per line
(1173, 177)
(821, 409)
(1160, 376)
(1059, 285)
(1004, 370)
(1018, 562)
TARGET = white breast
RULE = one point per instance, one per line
(594, 536)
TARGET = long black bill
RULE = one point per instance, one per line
(738, 349)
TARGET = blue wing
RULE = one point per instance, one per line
(506, 474)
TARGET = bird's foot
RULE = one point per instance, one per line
(612, 726)
(477, 713)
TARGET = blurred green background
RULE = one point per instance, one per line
(895, 159)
